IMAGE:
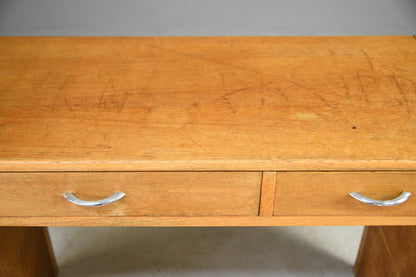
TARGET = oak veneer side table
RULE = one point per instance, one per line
(207, 131)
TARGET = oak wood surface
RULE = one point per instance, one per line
(147, 193)
(361, 250)
(401, 241)
(52, 257)
(217, 103)
(205, 220)
(26, 252)
(327, 193)
(374, 257)
(267, 196)
(387, 251)
(207, 104)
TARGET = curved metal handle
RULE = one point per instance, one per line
(75, 200)
(398, 200)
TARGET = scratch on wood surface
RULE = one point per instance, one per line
(100, 100)
(312, 91)
(114, 97)
(234, 92)
(402, 93)
(284, 95)
(43, 80)
(113, 88)
(193, 56)
(261, 87)
(189, 138)
(277, 92)
(67, 104)
(368, 59)
(47, 129)
(363, 91)
(346, 88)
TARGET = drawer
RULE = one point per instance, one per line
(327, 193)
(146, 193)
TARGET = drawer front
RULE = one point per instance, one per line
(147, 193)
(327, 193)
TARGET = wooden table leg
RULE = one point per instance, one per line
(387, 251)
(26, 251)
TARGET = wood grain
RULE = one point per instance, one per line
(206, 221)
(387, 251)
(268, 187)
(218, 103)
(327, 193)
(206, 104)
(25, 252)
(401, 241)
(361, 251)
(147, 193)
(374, 257)
(52, 257)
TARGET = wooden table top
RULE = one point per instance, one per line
(207, 103)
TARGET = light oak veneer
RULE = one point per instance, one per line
(207, 103)
(327, 193)
(147, 193)
(208, 131)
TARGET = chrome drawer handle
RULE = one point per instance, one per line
(398, 200)
(112, 198)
